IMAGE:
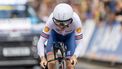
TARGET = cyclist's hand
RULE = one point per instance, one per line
(43, 62)
(73, 60)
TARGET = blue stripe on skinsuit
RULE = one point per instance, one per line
(52, 38)
(70, 43)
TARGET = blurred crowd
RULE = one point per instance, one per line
(96, 9)
(100, 11)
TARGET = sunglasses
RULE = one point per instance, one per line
(62, 22)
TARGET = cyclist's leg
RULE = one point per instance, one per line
(51, 65)
(50, 55)
(71, 45)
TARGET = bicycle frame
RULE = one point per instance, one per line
(61, 59)
(59, 46)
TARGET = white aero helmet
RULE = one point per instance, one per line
(63, 12)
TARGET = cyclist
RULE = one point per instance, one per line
(63, 25)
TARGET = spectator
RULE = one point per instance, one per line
(119, 10)
(46, 8)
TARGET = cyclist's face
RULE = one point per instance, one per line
(62, 24)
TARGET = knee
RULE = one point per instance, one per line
(69, 65)
(52, 63)
(51, 57)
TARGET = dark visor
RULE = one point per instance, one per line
(62, 22)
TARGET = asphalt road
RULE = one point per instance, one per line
(88, 64)
(82, 64)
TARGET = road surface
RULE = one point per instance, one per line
(82, 64)
(85, 64)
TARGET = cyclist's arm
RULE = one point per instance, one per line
(44, 36)
(78, 35)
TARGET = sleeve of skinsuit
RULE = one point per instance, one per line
(78, 35)
(44, 36)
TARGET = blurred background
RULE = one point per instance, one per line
(21, 22)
